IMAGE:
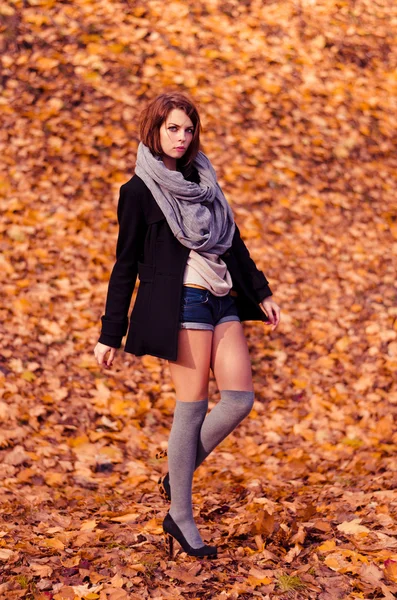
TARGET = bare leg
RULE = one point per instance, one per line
(190, 375)
(230, 359)
(231, 365)
(190, 372)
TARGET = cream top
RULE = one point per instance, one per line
(208, 270)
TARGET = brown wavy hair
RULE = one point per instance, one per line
(154, 115)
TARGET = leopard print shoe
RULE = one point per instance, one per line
(164, 486)
(161, 454)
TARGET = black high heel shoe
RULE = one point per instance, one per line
(171, 531)
(164, 486)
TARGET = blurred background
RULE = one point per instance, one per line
(298, 106)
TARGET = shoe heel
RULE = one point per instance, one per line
(164, 487)
(161, 488)
(161, 454)
(169, 544)
(171, 531)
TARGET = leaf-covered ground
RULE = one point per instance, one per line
(298, 102)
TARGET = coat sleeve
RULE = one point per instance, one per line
(131, 235)
(258, 282)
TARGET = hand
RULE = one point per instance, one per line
(272, 310)
(100, 351)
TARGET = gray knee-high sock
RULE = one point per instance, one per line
(232, 408)
(182, 451)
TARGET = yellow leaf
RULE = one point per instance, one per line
(116, 48)
(327, 546)
(259, 542)
(319, 41)
(299, 383)
(393, 230)
(336, 563)
(356, 308)
(54, 543)
(120, 408)
(54, 479)
(37, 18)
(55, 142)
(41, 570)
(343, 343)
(125, 518)
(135, 480)
(78, 441)
(28, 376)
(324, 362)
(101, 396)
(46, 64)
(260, 575)
(143, 407)
(90, 76)
(6, 10)
(26, 474)
(16, 233)
(47, 399)
(255, 581)
(364, 382)
(152, 526)
(152, 363)
(268, 85)
(82, 591)
(112, 452)
(211, 53)
(391, 570)
(88, 525)
(5, 266)
(353, 527)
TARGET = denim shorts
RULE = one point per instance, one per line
(200, 309)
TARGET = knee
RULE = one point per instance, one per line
(242, 401)
(248, 399)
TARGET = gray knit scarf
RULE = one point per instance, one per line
(198, 214)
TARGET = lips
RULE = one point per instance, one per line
(181, 148)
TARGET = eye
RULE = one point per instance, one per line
(172, 127)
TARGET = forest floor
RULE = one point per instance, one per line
(298, 104)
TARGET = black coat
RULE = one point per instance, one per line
(147, 247)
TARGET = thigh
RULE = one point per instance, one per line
(190, 372)
(230, 359)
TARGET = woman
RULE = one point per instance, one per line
(197, 283)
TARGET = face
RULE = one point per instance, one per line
(176, 133)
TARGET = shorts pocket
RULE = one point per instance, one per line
(194, 297)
